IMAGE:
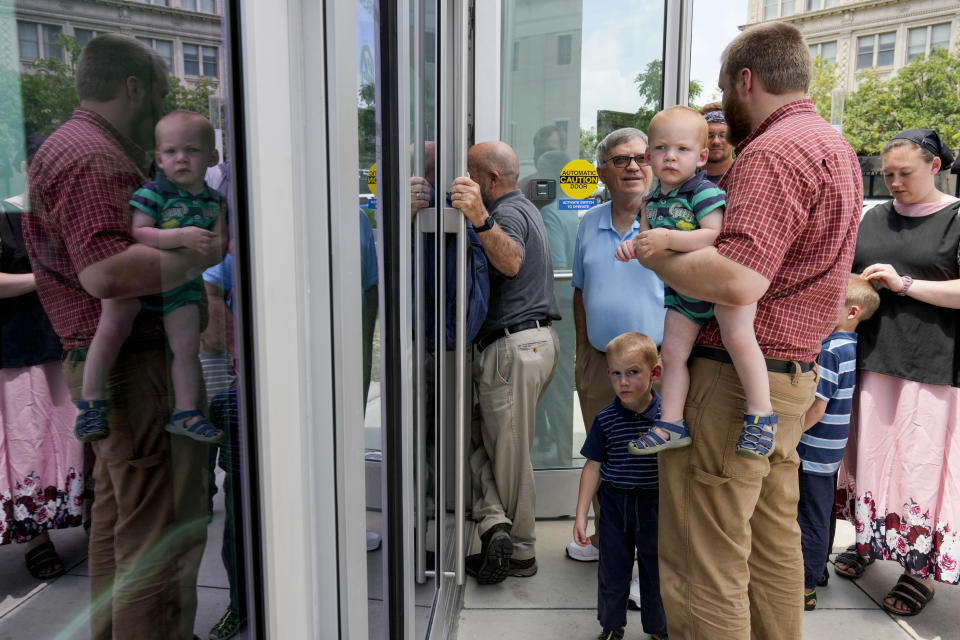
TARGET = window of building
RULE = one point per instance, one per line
(163, 47)
(203, 6)
(787, 7)
(937, 36)
(162, 3)
(200, 61)
(562, 125)
(39, 40)
(876, 50)
(564, 49)
(770, 8)
(815, 5)
(29, 40)
(84, 36)
(825, 50)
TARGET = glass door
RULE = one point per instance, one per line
(570, 73)
(412, 58)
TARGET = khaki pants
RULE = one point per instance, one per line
(510, 377)
(730, 558)
(594, 392)
(149, 513)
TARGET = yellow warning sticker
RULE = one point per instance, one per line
(578, 179)
(372, 178)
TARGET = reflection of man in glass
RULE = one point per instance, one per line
(720, 153)
(547, 138)
(554, 442)
(148, 523)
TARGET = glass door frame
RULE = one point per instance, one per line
(556, 486)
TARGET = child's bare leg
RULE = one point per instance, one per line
(736, 330)
(183, 334)
(679, 334)
(116, 322)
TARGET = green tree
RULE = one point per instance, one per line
(588, 144)
(650, 87)
(923, 94)
(822, 84)
(48, 92)
(191, 98)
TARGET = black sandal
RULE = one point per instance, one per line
(43, 563)
(810, 600)
(909, 592)
(854, 561)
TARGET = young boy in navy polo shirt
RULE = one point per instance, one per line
(628, 495)
(826, 427)
(175, 210)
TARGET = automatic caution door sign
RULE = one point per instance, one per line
(372, 178)
(578, 179)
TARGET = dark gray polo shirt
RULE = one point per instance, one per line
(529, 294)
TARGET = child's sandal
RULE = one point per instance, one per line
(810, 600)
(92, 423)
(756, 439)
(201, 430)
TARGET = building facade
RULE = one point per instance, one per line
(863, 34)
(186, 33)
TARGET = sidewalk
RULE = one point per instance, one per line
(561, 600)
(56, 610)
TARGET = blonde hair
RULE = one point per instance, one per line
(677, 113)
(861, 293)
(194, 119)
(633, 342)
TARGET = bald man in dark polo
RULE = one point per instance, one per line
(515, 355)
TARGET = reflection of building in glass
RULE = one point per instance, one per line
(541, 74)
(859, 35)
(186, 33)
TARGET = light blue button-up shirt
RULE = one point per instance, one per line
(617, 296)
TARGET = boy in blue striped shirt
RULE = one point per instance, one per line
(826, 427)
(628, 495)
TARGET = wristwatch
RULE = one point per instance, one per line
(907, 281)
(486, 226)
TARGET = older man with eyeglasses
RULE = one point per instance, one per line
(611, 297)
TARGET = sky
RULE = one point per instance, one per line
(621, 37)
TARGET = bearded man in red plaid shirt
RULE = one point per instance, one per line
(149, 514)
(730, 559)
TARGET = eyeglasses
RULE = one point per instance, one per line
(621, 162)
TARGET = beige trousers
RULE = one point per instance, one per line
(510, 377)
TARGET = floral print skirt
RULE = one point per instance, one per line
(41, 462)
(900, 480)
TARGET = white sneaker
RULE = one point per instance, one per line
(588, 553)
(634, 601)
(373, 540)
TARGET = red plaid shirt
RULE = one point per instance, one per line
(81, 181)
(794, 196)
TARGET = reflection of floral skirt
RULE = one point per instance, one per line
(900, 480)
(41, 462)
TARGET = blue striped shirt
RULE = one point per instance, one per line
(821, 448)
(606, 443)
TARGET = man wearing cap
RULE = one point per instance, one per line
(514, 358)
(720, 153)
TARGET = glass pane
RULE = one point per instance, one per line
(191, 60)
(786, 8)
(916, 42)
(813, 5)
(940, 36)
(865, 51)
(770, 9)
(165, 49)
(51, 46)
(178, 503)
(554, 109)
(885, 49)
(189, 5)
(828, 51)
(207, 6)
(210, 68)
(29, 41)
(83, 35)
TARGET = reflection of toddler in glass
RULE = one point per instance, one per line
(175, 210)
(684, 213)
